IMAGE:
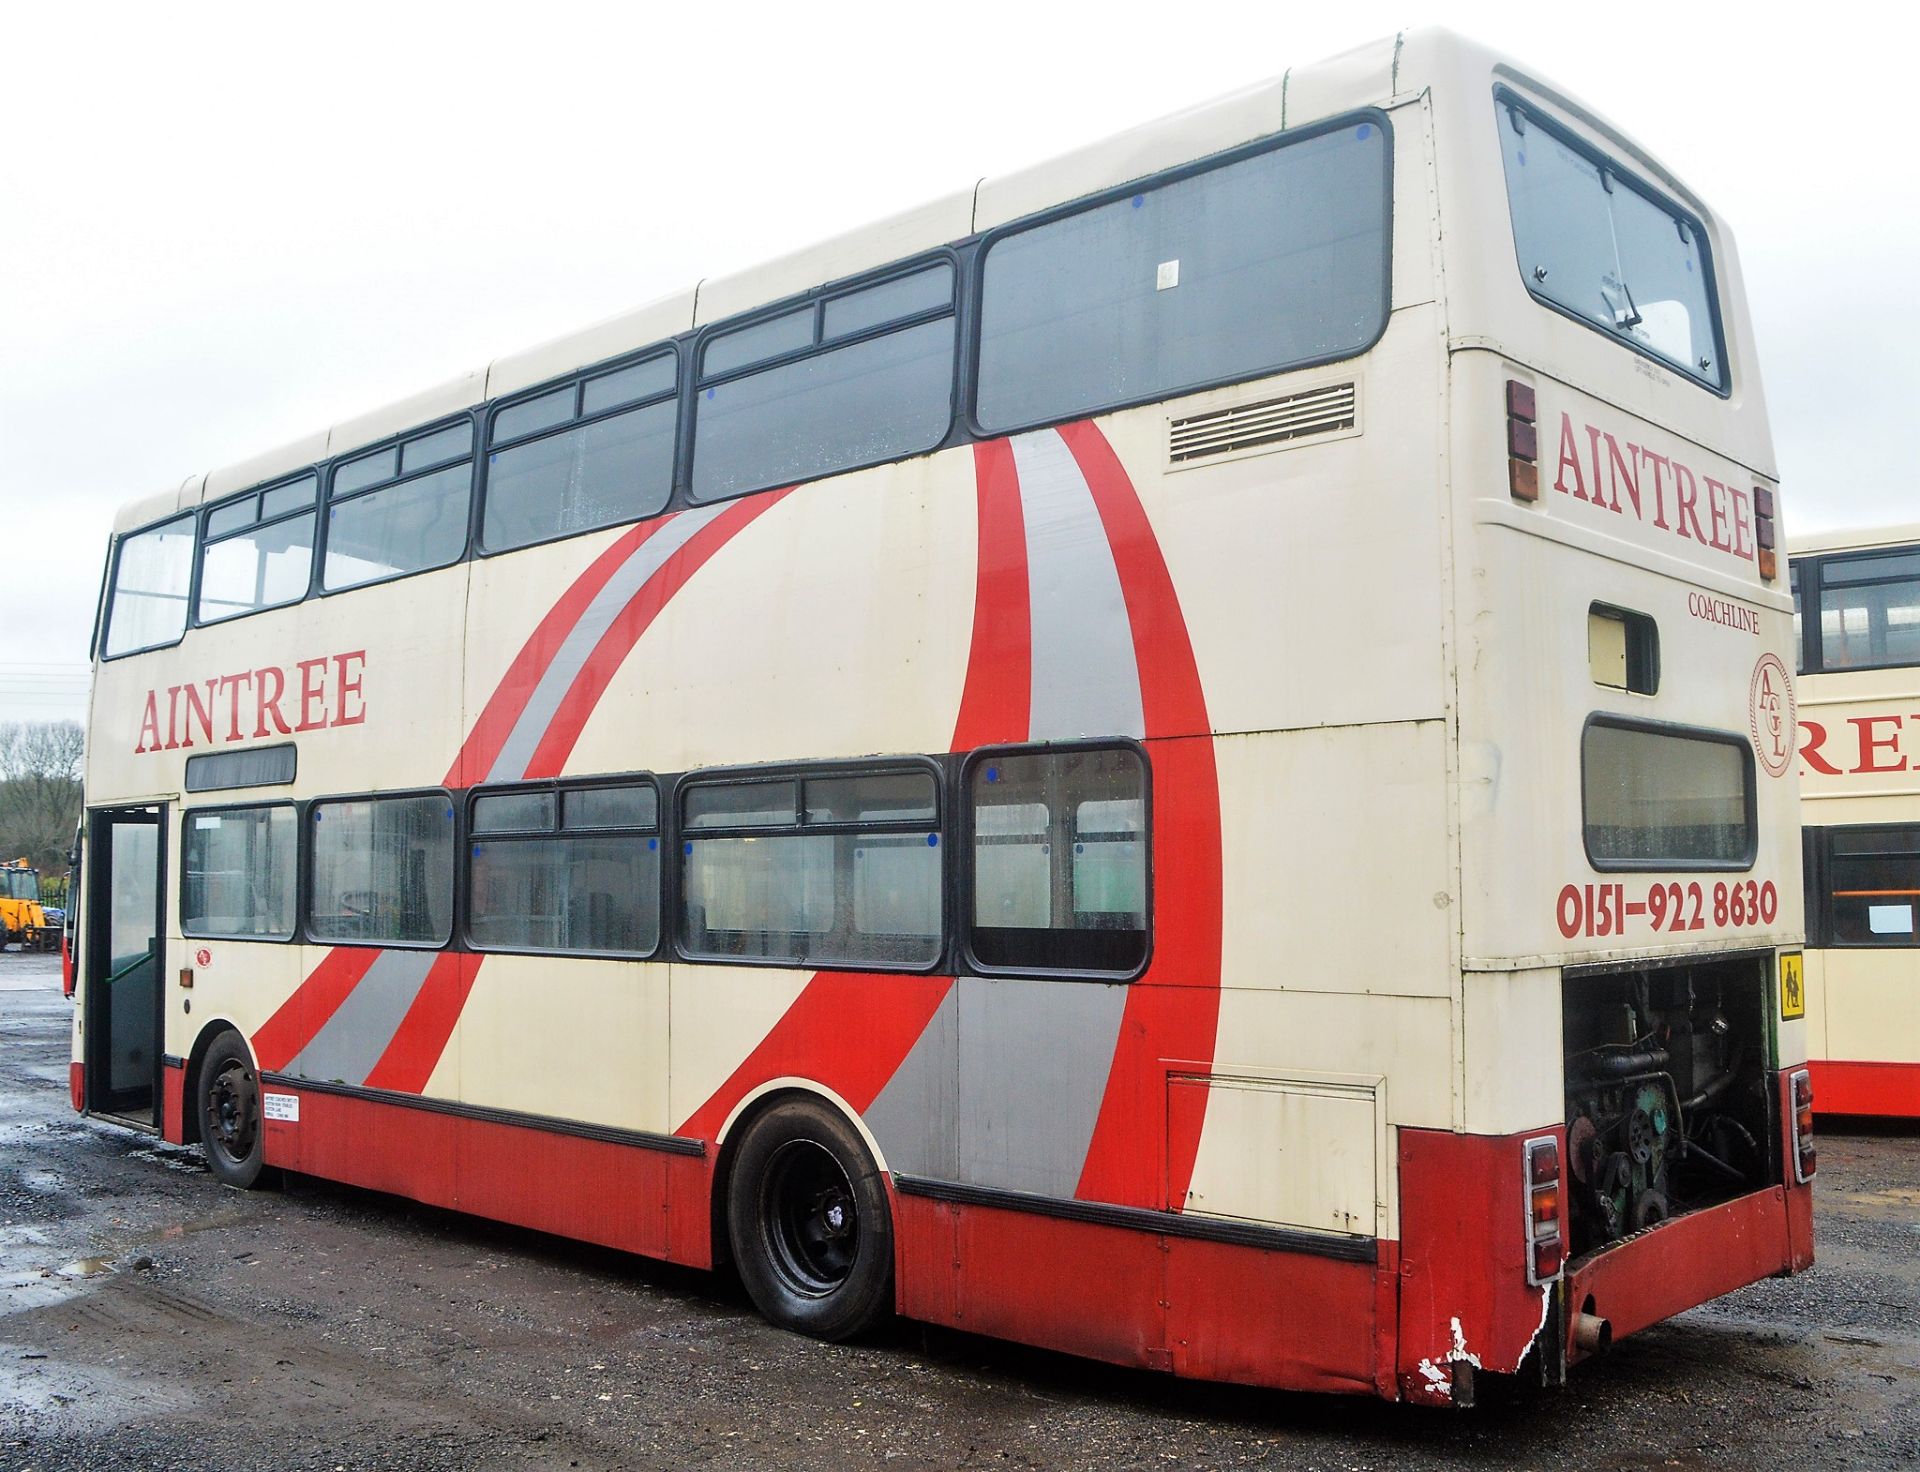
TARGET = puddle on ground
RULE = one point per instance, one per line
(86, 1267)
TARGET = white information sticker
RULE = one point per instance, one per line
(282, 1106)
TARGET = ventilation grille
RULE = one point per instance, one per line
(1300, 416)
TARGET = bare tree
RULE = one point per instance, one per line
(40, 790)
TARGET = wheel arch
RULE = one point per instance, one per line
(752, 1105)
(209, 1032)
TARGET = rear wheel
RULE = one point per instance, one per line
(808, 1220)
(230, 1112)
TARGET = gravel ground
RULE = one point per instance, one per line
(150, 1318)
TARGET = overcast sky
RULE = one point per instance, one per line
(222, 227)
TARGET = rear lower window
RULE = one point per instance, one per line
(1665, 798)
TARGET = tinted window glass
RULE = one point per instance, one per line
(453, 443)
(535, 414)
(904, 296)
(383, 870)
(889, 795)
(594, 475)
(1870, 611)
(368, 470)
(567, 894)
(150, 584)
(514, 812)
(416, 524)
(232, 516)
(741, 804)
(1591, 241)
(1251, 267)
(282, 499)
(1873, 886)
(769, 339)
(628, 386)
(610, 807)
(850, 406)
(1666, 799)
(239, 873)
(1060, 860)
(262, 568)
(257, 766)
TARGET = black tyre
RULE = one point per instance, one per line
(230, 1112)
(808, 1219)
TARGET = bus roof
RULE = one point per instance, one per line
(1392, 69)
(1854, 539)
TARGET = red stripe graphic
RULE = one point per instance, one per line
(852, 1032)
(415, 1049)
(996, 701)
(281, 1037)
(422, 1035)
(1173, 1011)
(516, 687)
(556, 745)
(846, 1030)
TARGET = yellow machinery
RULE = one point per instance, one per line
(22, 921)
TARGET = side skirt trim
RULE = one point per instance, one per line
(1142, 1219)
(639, 1139)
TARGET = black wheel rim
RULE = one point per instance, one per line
(809, 1218)
(233, 1112)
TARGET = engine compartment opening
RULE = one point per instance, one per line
(1667, 1097)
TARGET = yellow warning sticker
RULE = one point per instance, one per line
(1793, 986)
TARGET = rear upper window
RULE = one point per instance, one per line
(1658, 797)
(1597, 243)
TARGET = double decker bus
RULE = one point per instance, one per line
(1857, 623)
(1178, 756)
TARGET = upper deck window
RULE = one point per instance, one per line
(257, 551)
(861, 377)
(1246, 268)
(150, 582)
(588, 455)
(1870, 610)
(391, 514)
(1597, 243)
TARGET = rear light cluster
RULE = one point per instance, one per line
(1806, 1160)
(1546, 1242)
(1763, 532)
(1523, 443)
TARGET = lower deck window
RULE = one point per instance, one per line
(1060, 860)
(383, 870)
(1871, 886)
(830, 870)
(576, 870)
(1666, 798)
(238, 865)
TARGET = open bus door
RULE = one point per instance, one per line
(125, 932)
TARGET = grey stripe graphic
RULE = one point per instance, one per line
(914, 1116)
(1086, 681)
(631, 576)
(345, 1050)
(1033, 1070)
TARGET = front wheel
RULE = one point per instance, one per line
(230, 1112)
(808, 1220)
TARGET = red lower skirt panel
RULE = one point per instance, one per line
(617, 1195)
(77, 1085)
(1685, 1262)
(173, 1101)
(1210, 1310)
(1886, 1089)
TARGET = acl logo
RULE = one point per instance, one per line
(1771, 714)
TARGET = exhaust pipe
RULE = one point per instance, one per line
(1592, 1334)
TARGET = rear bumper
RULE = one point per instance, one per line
(1689, 1260)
